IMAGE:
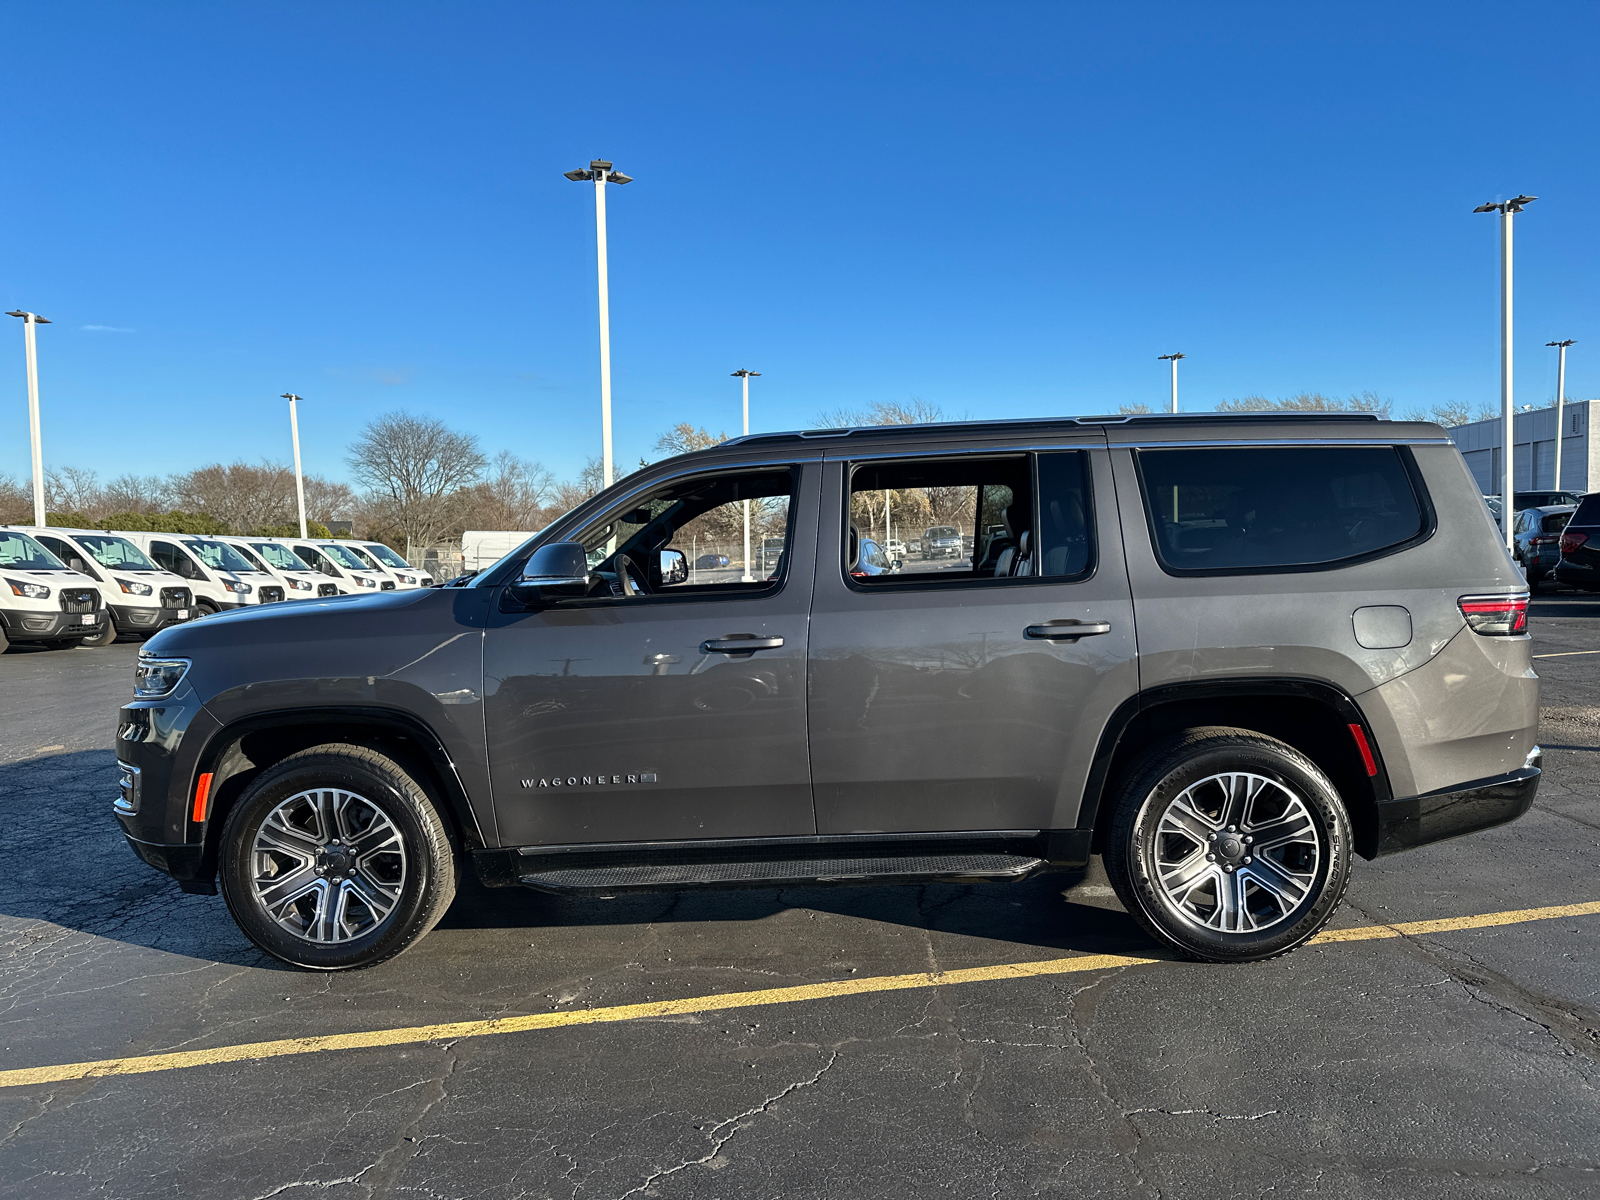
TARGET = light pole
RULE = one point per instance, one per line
(1561, 394)
(744, 377)
(1507, 209)
(601, 173)
(29, 320)
(1173, 359)
(299, 485)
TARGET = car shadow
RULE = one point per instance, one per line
(65, 863)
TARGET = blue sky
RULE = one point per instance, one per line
(1006, 210)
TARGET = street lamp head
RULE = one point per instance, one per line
(747, 374)
(290, 396)
(599, 164)
(578, 176)
(1564, 344)
(1168, 357)
(1516, 202)
(1487, 208)
(619, 177)
(28, 316)
(1513, 205)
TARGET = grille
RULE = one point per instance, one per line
(387, 586)
(175, 597)
(74, 600)
(271, 595)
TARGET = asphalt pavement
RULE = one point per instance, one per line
(1455, 1060)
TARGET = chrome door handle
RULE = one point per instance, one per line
(1067, 631)
(740, 645)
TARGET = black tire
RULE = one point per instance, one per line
(428, 874)
(1137, 844)
(204, 608)
(106, 636)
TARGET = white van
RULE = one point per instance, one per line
(351, 575)
(43, 601)
(220, 577)
(403, 573)
(264, 554)
(140, 597)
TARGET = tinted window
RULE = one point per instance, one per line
(21, 552)
(1063, 513)
(1258, 508)
(963, 514)
(1588, 512)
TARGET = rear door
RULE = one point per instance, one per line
(956, 693)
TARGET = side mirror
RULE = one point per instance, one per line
(674, 566)
(555, 570)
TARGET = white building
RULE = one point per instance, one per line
(1533, 459)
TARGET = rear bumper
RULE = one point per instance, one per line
(1483, 804)
(1576, 574)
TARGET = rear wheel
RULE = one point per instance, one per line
(106, 636)
(336, 858)
(1229, 846)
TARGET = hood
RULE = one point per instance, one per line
(267, 624)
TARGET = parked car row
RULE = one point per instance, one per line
(72, 587)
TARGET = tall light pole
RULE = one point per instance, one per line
(601, 173)
(1507, 209)
(29, 320)
(1173, 359)
(1561, 393)
(744, 377)
(299, 485)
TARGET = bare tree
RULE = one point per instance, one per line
(72, 490)
(684, 438)
(16, 501)
(1133, 410)
(412, 467)
(137, 493)
(513, 496)
(326, 501)
(1308, 402)
(242, 496)
(915, 411)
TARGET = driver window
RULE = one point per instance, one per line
(689, 537)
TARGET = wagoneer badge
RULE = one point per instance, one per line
(588, 780)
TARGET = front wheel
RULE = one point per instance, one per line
(1229, 846)
(336, 858)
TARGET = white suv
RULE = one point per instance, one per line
(139, 597)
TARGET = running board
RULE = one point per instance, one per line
(611, 880)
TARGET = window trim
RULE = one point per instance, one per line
(1408, 464)
(655, 599)
(913, 583)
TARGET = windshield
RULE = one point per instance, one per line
(942, 531)
(21, 553)
(386, 556)
(342, 556)
(115, 552)
(219, 556)
(281, 557)
(250, 557)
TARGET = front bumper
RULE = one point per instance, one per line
(182, 862)
(132, 618)
(47, 625)
(1483, 804)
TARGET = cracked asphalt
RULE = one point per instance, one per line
(1459, 1064)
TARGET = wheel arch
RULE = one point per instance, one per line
(1313, 716)
(242, 749)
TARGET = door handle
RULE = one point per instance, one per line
(740, 644)
(1067, 631)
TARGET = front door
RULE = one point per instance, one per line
(634, 713)
(967, 692)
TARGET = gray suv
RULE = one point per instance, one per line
(1227, 653)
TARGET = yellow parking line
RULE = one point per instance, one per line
(1565, 653)
(456, 1030)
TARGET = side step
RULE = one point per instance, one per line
(789, 872)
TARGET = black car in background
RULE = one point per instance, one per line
(1580, 547)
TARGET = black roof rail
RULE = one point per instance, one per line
(1022, 424)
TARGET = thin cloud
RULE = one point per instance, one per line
(107, 329)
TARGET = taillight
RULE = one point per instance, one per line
(1496, 616)
(1571, 541)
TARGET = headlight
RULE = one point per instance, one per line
(405, 579)
(242, 588)
(33, 591)
(133, 587)
(301, 585)
(364, 582)
(155, 677)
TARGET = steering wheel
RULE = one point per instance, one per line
(630, 578)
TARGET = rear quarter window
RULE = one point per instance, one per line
(1588, 511)
(1254, 509)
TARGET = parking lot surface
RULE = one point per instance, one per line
(1455, 1060)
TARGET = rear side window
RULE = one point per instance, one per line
(1588, 511)
(1232, 510)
